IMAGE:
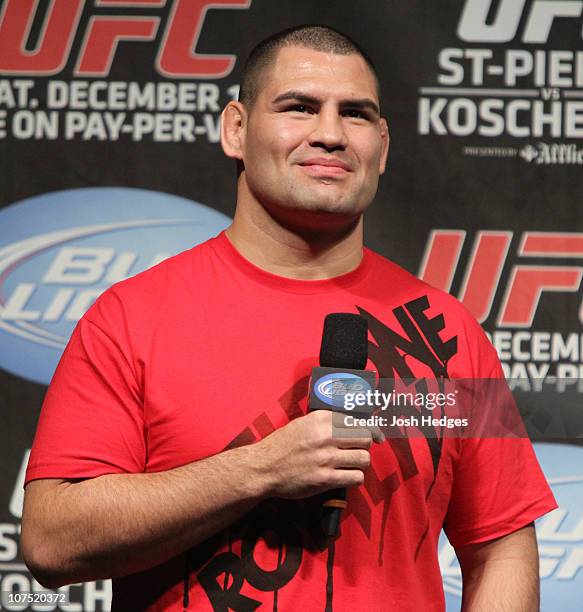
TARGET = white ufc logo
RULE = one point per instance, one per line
(474, 26)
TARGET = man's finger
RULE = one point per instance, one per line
(352, 432)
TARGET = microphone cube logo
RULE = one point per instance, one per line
(331, 388)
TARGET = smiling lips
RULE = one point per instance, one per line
(325, 166)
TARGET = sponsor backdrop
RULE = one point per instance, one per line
(109, 141)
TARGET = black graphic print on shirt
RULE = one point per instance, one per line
(290, 527)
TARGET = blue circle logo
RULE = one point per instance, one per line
(332, 388)
(61, 250)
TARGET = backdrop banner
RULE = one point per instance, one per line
(111, 162)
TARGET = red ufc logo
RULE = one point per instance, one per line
(484, 268)
(177, 56)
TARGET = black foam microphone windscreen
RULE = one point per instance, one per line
(344, 341)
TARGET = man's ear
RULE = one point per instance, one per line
(385, 140)
(233, 129)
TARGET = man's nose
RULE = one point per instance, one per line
(329, 130)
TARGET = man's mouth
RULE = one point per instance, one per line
(325, 167)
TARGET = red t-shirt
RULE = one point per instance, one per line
(205, 352)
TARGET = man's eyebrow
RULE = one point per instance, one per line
(361, 103)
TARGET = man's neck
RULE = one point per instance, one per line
(299, 254)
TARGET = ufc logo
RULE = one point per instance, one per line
(474, 25)
(526, 282)
(177, 56)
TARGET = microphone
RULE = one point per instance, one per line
(343, 357)
(344, 341)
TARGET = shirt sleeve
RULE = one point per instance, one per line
(498, 488)
(498, 485)
(91, 421)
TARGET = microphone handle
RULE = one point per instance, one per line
(332, 506)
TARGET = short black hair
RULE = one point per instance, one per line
(317, 37)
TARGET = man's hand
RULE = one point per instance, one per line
(501, 575)
(313, 454)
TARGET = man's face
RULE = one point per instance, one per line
(314, 140)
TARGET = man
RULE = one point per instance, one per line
(173, 451)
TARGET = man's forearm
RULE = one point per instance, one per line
(120, 524)
(124, 523)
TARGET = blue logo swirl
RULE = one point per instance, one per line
(331, 388)
(61, 250)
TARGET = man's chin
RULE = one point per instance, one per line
(316, 215)
(330, 208)
(326, 202)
